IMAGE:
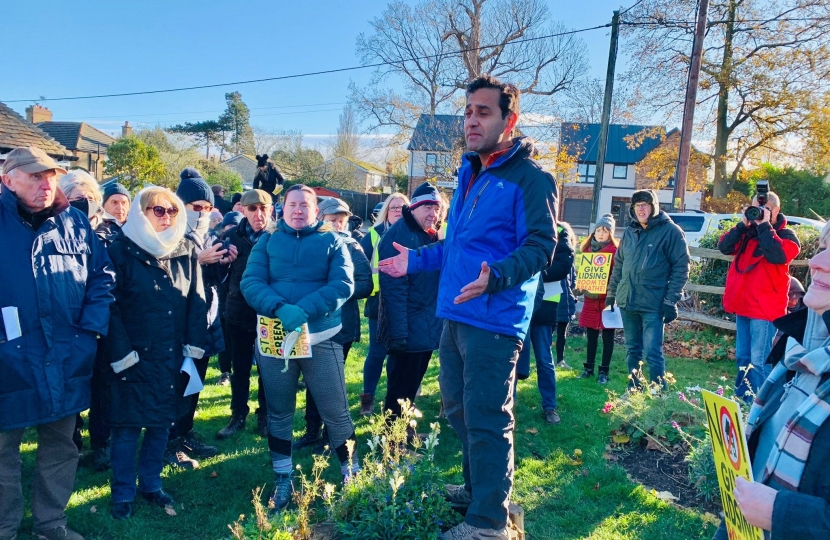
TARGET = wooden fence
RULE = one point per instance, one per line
(711, 289)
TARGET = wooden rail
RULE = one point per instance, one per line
(715, 254)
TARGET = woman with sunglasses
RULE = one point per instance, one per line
(157, 320)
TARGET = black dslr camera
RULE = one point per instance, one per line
(754, 213)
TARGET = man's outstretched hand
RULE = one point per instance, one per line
(476, 288)
(395, 266)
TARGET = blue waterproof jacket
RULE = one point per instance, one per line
(310, 268)
(60, 279)
(507, 219)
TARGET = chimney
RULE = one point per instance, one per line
(37, 114)
(126, 129)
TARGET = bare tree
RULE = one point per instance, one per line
(347, 141)
(764, 72)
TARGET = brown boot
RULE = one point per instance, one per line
(367, 404)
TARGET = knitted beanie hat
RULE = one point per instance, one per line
(193, 187)
(116, 189)
(424, 194)
(607, 221)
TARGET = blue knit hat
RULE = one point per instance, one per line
(193, 187)
(116, 189)
(231, 218)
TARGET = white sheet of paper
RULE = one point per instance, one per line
(12, 323)
(612, 319)
(194, 385)
(553, 288)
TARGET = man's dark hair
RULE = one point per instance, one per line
(509, 98)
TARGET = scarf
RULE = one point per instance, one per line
(596, 246)
(139, 230)
(253, 235)
(788, 457)
(198, 222)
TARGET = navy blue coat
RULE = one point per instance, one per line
(407, 304)
(60, 279)
(547, 313)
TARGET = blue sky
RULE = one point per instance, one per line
(100, 47)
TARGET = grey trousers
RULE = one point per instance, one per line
(323, 373)
(56, 462)
(478, 370)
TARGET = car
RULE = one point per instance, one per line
(696, 225)
(376, 211)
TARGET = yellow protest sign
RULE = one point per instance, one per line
(731, 461)
(270, 335)
(593, 271)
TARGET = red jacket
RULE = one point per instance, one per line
(591, 315)
(758, 280)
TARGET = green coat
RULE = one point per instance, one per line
(651, 266)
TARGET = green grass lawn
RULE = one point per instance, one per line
(561, 501)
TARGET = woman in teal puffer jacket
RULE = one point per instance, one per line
(301, 275)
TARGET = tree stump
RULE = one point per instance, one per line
(516, 522)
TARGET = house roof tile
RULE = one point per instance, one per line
(15, 131)
(437, 133)
(581, 140)
(78, 136)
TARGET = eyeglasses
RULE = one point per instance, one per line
(641, 205)
(395, 208)
(200, 208)
(159, 211)
(254, 207)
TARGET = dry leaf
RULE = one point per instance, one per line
(576, 462)
(532, 431)
(170, 511)
(654, 445)
(621, 438)
(93, 509)
(596, 486)
(664, 495)
(213, 474)
(609, 456)
(577, 452)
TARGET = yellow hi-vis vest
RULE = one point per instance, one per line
(375, 237)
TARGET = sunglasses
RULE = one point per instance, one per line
(200, 208)
(255, 207)
(159, 211)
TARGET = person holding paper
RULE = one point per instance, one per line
(788, 429)
(55, 303)
(301, 275)
(600, 241)
(157, 321)
(651, 268)
(545, 318)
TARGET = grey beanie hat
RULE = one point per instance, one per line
(607, 221)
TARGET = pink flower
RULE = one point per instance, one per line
(608, 407)
(675, 425)
(719, 391)
(682, 396)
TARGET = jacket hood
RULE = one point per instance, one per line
(644, 195)
(523, 147)
(320, 226)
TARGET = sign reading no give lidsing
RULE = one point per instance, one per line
(592, 272)
(731, 461)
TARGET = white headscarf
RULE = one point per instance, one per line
(139, 229)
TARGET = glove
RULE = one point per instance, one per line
(669, 313)
(610, 301)
(292, 317)
(397, 346)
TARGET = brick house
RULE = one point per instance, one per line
(16, 131)
(624, 170)
(85, 142)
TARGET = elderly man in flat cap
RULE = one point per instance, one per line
(55, 302)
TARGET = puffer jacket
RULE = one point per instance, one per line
(370, 310)
(60, 279)
(758, 280)
(310, 268)
(547, 311)
(407, 304)
(591, 314)
(160, 313)
(651, 266)
(503, 213)
(350, 312)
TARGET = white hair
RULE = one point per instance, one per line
(82, 180)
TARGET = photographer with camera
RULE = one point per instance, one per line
(757, 284)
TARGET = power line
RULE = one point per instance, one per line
(213, 111)
(631, 7)
(311, 73)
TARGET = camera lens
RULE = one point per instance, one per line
(753, 213)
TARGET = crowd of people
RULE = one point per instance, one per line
(116, 303)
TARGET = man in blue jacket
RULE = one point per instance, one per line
(501, 232)
(56, 303)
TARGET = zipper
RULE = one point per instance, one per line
(475, 201)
